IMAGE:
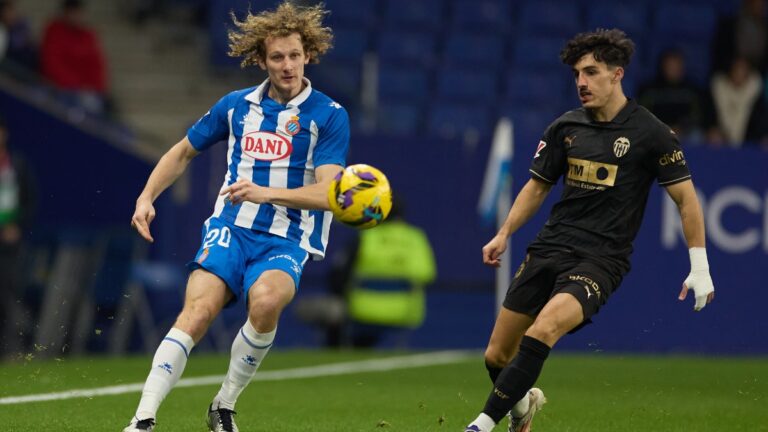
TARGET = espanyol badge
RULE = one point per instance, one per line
(292, 126)
(620, 146)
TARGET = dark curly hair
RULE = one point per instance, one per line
(612, 47)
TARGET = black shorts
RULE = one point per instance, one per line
(542, 275)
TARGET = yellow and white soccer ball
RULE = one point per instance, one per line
(360, 196)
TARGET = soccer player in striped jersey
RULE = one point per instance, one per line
(286, 141)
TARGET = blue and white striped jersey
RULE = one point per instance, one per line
(277, 146)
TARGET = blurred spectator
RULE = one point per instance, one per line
(743, 35)
(16, 210)
(675, 99)
(72, 59)
(738, 99)
(382, 276)
(16, 42)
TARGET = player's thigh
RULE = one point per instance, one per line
(204, 287)
(562, 313)
(505, 339)
(591, 283)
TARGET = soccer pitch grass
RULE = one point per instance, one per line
(586, 393)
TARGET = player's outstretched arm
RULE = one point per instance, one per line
(526, 204)
(692, 218)
(310, 197)
(168, 169)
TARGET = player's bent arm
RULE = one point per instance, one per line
(310, 197)
(168, 169)
(692, 218)
(526, 204)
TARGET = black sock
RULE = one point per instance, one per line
(493, 371)
(517, 378)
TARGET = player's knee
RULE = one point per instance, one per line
(198, 313)
(267, 303)
(495, 357)
(194, 320)
(548, 331)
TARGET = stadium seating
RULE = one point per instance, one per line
(340, 80)
(633, 17)
(482, 15)
(399, 118)
(474, 50)
(358, 13)
(403, 84)
(413, 48)
(450, 120)
(414, 15)
(533, 88)
(549, 18)
(529, 123)
(537, 52)
(467, 85)
(691, 22)
(461, 50)
(349, 44)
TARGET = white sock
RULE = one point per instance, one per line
(167, 367)
(521, 407)
(248, 350)
(484, 422)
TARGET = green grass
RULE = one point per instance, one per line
(591, 393)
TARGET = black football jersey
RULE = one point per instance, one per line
(607, 170)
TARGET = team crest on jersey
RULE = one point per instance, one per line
(292, 126)
(266, 146)
(621, 146)
(203, 256)
(541, 146)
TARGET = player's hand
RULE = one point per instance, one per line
(244, 190)
(142, 217)
(493, 250)
(703, 289)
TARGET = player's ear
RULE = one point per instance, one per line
(618, 74)
(261, 64)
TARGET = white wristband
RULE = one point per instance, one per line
(698, 259)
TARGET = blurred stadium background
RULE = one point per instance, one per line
(425, 82)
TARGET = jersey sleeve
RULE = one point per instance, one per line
(549, 160)
(211, 128)
(333, 140)
(668, 162)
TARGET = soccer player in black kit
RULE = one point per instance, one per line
(610, 151)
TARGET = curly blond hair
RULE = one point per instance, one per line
(247, 40)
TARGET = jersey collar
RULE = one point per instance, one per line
(620, 118)
(257, 95)
(625, 112)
